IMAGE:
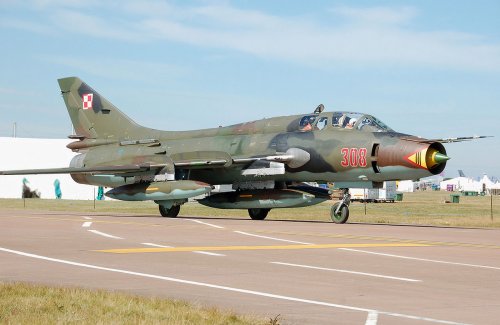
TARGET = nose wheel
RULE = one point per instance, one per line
(340, 210)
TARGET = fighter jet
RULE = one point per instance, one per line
(268, 162)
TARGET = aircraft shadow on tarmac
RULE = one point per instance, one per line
(153, 216)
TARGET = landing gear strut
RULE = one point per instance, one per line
(340, 210)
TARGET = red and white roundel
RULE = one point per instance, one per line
(87, 101)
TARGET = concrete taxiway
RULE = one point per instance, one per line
(307, 272)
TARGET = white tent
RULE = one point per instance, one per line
(487, 182)
(406, 186)
(24, 153)
(461, 184)
(469, 184)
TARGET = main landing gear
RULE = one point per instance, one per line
(340, 210)
(258, 214)
(170, 208)
(171, 212)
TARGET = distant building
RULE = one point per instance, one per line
(27, 153)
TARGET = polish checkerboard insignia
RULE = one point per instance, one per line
(87, 101)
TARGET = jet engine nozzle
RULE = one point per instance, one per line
(431, 157)
(414, 154)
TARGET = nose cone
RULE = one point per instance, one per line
(440, 158)
(435, 158)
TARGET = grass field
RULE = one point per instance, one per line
(29, 304)
(423, 208)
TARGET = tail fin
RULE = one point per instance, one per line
(92, 115)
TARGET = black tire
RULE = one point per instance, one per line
(173, 212)
(258, 214)
(342, 215)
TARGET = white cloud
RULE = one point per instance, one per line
(380, 40)
(65, 3)
(95, 26)
(24, 25)
(354, 36)
(369, 36)
(119, 69)
(149, 8)
(377, 15)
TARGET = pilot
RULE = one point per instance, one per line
(306, 123)
(351, 123)
(307, 127)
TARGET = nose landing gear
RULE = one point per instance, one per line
(340, 210)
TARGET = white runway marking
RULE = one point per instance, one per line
(372, 318)
(156, 245)
(104, 234)
(87, 218)
(208, 253)
(347, 271)
(87, 224)
(422, 259)
(272, 238)
(206, 224)
(225, 288)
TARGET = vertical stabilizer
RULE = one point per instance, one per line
(92, 115)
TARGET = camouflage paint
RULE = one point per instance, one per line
(114, 151)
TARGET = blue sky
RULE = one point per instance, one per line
(428, 68)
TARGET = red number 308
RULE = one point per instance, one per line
(353, 157)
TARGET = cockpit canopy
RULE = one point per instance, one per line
(343, 120)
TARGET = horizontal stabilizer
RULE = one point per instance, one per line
(85, 170)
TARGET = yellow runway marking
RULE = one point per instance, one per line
(252, 248)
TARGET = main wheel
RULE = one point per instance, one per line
(342, 215)
(258, 214)
(169, 213)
